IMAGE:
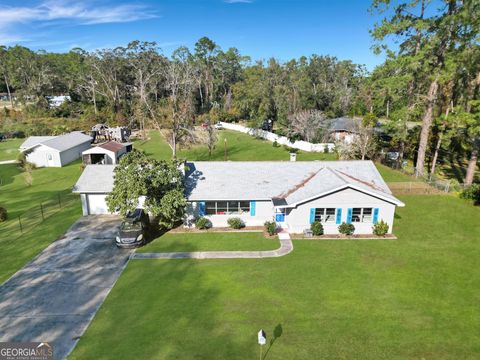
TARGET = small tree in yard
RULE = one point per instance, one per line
(317, 228)
(161, 182)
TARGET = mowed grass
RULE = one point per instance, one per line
(240, 147)
(211, 241)
(392, 175)
(412, 298)
(20, 199)
(9, 149)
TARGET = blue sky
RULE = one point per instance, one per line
(283, 29)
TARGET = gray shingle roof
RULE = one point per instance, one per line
(342, 124)
(67, 141)
(286, 182)
(34, 141)
(95, 179)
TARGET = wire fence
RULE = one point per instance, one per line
(424, 184)
(37, 214)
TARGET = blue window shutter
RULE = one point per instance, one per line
(339, 216)
(375, 215)
(349, 216)
(312, 215)
(201, 208)
(252, 208)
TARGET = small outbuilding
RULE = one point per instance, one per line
(106, 154)
(55, 151)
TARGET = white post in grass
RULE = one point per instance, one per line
(262, 340)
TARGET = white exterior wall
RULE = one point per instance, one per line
(298, 219)
(94, 204)
(83, 199)
(39, 157)
(263, 212)
(74, 153)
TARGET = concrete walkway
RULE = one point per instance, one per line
(285, 248)
(54, 297)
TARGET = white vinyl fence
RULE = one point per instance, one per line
(282, 140)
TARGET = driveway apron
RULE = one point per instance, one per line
(54, 297)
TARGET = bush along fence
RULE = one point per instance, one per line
(37, 214)
(281, 140)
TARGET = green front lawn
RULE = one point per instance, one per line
(240, 147)
(9, 149)
(392, 175)
(412, 298)
(22, 200)
(211, 241)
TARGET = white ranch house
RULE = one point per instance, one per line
(294, 194)
(55, 151)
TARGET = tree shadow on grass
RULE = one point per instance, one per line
(162, 309)
(277, 333)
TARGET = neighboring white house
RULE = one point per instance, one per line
(55, 151)
(343, 129)
(294, 194)
(108, 153)
(56, 101)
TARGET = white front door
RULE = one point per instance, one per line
(50, 161)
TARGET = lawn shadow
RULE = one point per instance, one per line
(172, 306)
(277, 333)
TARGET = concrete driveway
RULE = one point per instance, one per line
(54, 297)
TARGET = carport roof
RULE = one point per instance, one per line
(95, 179)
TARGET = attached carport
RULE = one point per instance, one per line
(94, 204)
(93, 186)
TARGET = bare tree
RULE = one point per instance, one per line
(363, 144)
(147, 64)
(307, 123)
(179, 83)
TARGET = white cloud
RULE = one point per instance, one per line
(78, 12)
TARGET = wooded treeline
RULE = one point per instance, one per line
(432, 78)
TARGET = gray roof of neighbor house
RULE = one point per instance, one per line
(95, 179)
(287, 183)
(67, 141)
(342, 124)
(60, 143)
(34, 141)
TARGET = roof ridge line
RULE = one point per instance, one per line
(300, 185)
